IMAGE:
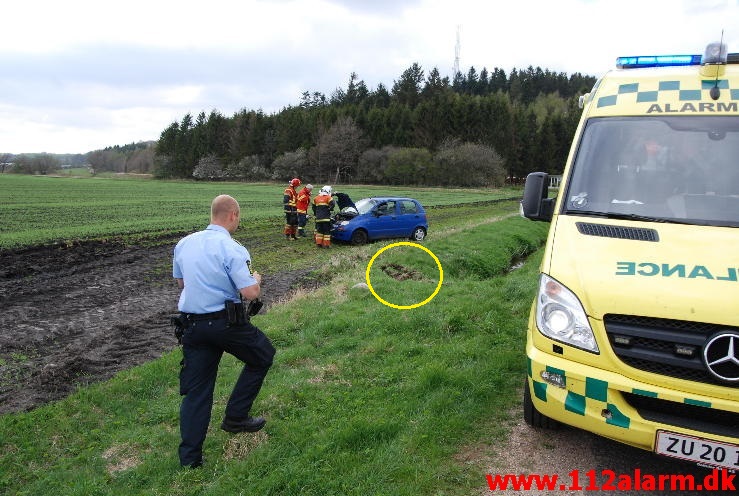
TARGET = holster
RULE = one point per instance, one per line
(235, 313)
(240, 313)
(179, 327)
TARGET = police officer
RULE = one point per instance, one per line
(214, 270)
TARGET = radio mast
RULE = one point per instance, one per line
(457, 48)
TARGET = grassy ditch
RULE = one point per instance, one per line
(363, 398)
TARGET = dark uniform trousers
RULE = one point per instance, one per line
(203, 344)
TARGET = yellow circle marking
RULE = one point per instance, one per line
(404, 307)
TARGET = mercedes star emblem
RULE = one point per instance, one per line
(721, 356)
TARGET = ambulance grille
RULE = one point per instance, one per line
(699, 418)
(619, 232)
(662, 346)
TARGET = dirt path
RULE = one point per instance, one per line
(571, 454)
(77, 315)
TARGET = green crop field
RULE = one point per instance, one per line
(41, 210)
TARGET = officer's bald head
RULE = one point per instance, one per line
(224, 211)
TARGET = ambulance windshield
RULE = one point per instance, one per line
(664, 169)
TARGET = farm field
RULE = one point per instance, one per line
(84, 308)
(90, 294)
(43, 210)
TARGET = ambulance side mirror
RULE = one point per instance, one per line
(535, 204)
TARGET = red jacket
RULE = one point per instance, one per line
(303, 201)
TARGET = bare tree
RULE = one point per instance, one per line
(290, 164)
(96, 160)
(4, 161)
(45, 163)
(339, 149)
(141, 160)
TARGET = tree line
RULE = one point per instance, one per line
(478, 129)
(131, 158)
(33, 163)
(134, 157)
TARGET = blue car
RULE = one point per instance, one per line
(382, 217)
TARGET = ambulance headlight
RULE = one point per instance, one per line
(560, 316)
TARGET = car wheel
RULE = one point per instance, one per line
(531, 415)
(418, 234)
(359, 237)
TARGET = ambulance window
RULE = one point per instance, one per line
(670, 168)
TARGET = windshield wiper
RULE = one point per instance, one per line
(636, 217)
(643, 218)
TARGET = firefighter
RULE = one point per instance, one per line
(289, 201)
(323, 204)
(302, 205)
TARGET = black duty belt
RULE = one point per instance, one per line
(221, 314)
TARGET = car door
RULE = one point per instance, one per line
(385, 220)
(409, 217)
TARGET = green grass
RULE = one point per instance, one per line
(44, 210)
(363, 399)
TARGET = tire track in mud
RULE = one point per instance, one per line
(76, 315)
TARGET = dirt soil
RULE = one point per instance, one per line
(74, 315)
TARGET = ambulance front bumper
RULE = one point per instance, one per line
(595, 400)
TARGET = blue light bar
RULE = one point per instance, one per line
(657, 61)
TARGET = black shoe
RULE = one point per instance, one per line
(196, 464)
(250, 424)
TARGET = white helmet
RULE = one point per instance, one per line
(326, 190)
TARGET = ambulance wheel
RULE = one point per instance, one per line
(531, 415)
(359, 237)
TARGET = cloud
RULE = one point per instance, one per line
(108, 65)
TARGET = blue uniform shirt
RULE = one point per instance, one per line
(213, 267)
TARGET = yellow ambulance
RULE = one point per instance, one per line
(634, 333)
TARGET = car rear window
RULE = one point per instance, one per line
(408, 207)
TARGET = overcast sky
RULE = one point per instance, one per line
(80, 75)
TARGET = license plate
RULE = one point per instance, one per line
(695, 449)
